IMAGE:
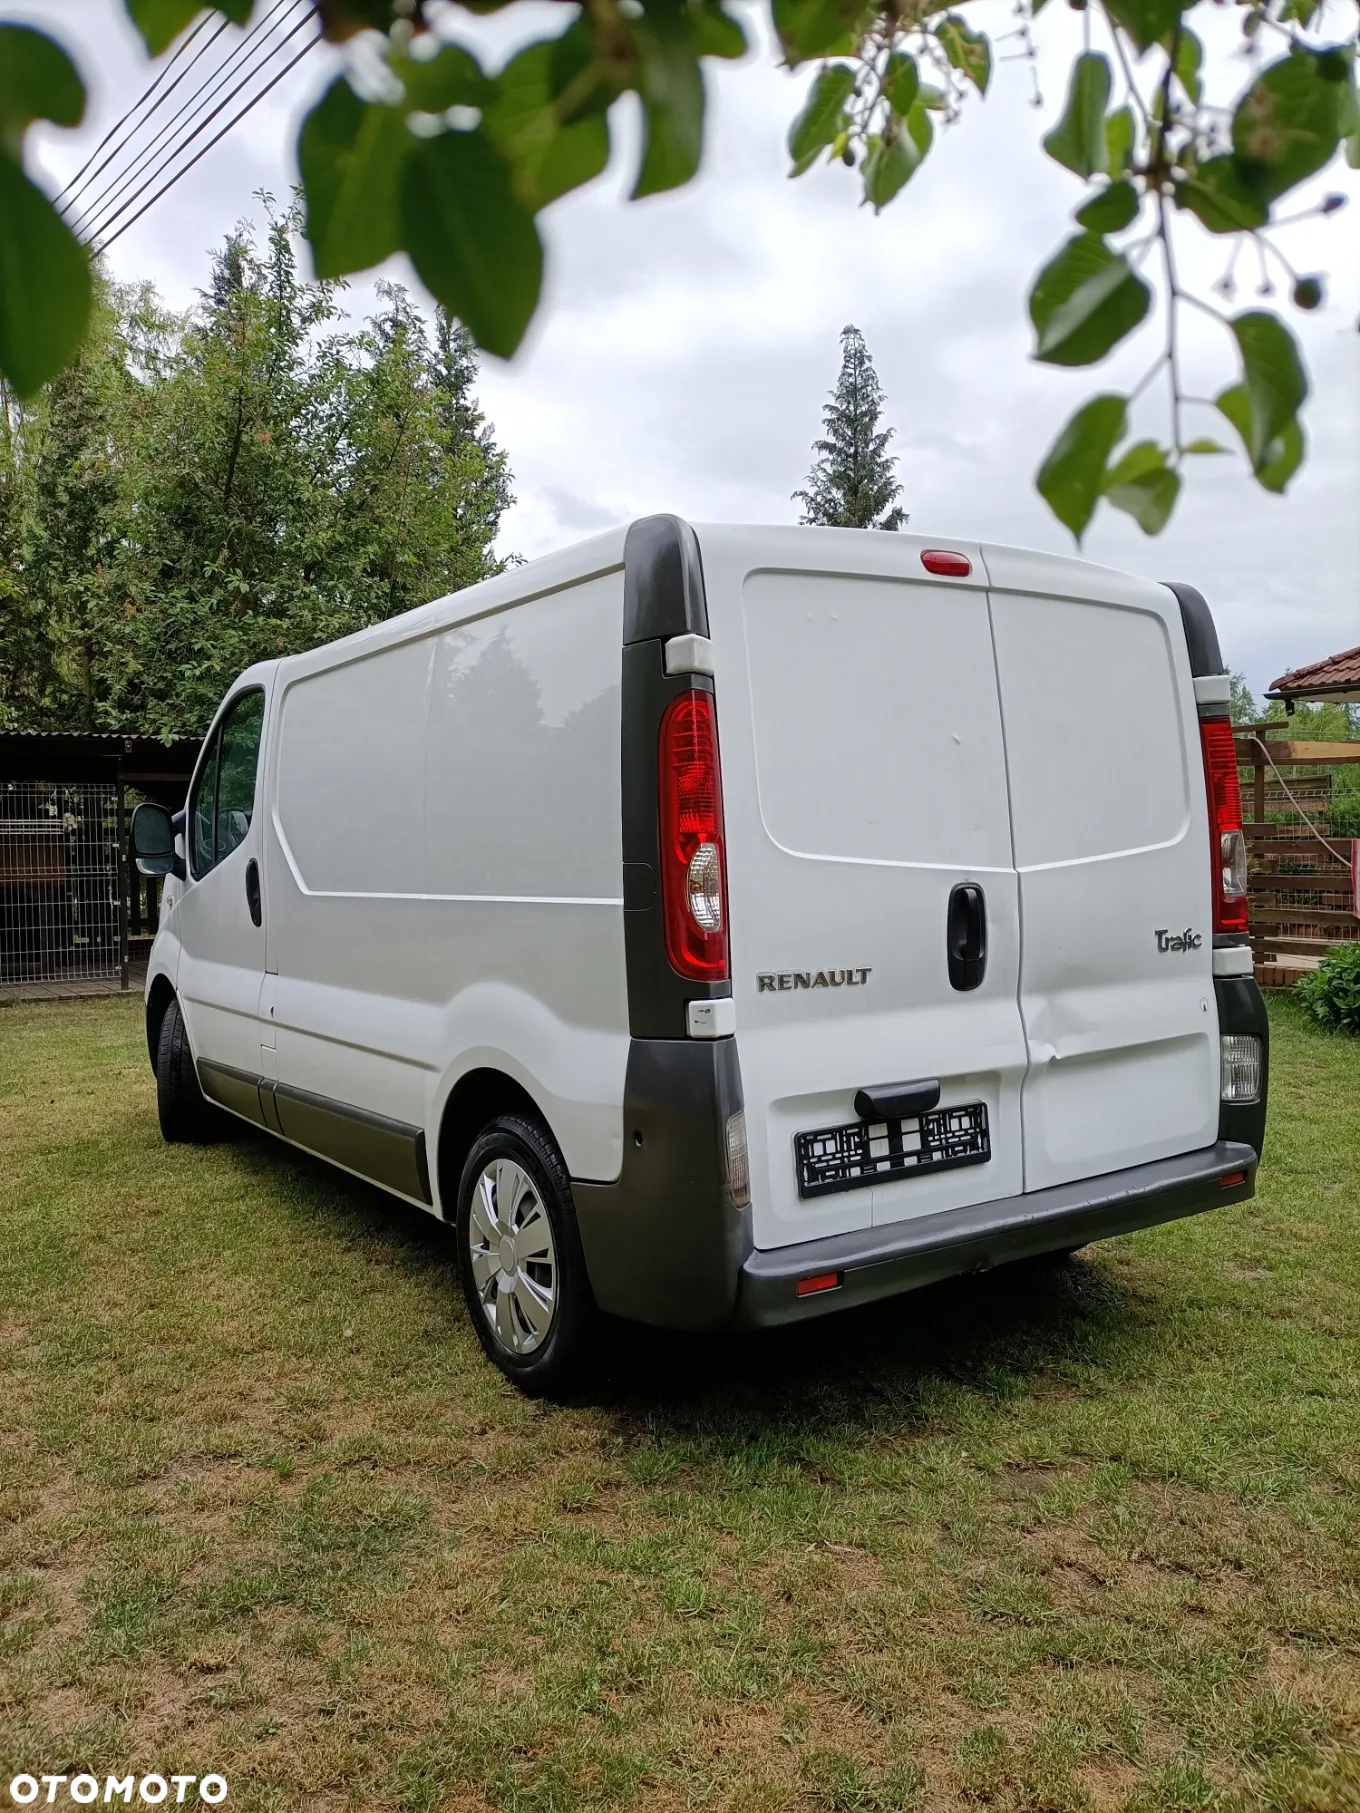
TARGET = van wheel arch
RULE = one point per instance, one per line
(478, 1098)
(162, 994)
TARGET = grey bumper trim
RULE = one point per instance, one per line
(906, 1254)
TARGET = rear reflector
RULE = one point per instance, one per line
(1231, 1181)
(821, 1281)
(942, 560)
(1228, 847)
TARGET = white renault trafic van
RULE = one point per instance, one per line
(723, 925)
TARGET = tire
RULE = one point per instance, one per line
(185, 1115)
(530, 1300)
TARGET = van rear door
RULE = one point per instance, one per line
(1111, 843)
(864, 785)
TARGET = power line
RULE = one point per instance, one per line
(141, 101)
(203, 152)
(154, 157)
(83, 206)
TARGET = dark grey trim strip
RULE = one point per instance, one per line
(1201, 633)
(233, 1089)
(881, 1261)
(388, 1152)
(663, 581)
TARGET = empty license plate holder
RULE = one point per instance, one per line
(868, 1152)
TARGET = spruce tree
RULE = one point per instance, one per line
(852, 484)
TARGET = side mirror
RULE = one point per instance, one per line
(153, 841)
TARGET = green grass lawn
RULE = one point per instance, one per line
(1084, 1536)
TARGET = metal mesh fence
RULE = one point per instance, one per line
(61, 912)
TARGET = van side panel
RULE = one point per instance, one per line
(346, 874)
(524, 861)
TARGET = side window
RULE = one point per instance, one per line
(224, 799)
(236, 772)
(201, 813)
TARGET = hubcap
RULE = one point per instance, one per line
(514, 1260)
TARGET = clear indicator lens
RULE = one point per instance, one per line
(738, 1161)
(703, 887)
(1232, 850)
(1240, 1067)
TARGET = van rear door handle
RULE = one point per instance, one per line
(965, 936)
(253, 892)
(897, 1101)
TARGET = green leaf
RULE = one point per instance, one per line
(1078, 139)
(1071, 476)
(161, 21)
(38, 81)
(451, 78)
(1084, 302)
(716, 32)
(822, 118)
(671, 88)
(1289, 122)
(1111, 210)
(969, 51)
(1119, 141)
(901, 83)
(893, 163)
(472, 241)
(818, 28)
(1273, 376)
(1221, 198)
(1146, 21)
(1143, 486)
(1203, 444)
(1189, 58)
(44, 284)
(581, 84)
(522, 121)
(1350, 121)
(350, 154)
(1281, 458)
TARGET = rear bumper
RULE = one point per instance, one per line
(879, 1262)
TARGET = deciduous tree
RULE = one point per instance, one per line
(198, 493)
(452, 161)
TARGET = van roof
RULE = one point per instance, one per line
(996, 565)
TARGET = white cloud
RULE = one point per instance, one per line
(688, 342)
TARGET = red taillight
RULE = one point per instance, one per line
(1231, 1179)
(693, 861)
(1228, 845)
(946, 561)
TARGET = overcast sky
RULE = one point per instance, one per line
(686, 343)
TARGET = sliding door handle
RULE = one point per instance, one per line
(253, 892)
(966, 936)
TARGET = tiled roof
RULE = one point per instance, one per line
(1338, 673)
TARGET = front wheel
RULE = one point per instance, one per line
(184, 1112)
(519, 1254)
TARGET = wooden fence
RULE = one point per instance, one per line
(1300, 889)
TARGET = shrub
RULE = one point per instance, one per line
(1332, 993)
